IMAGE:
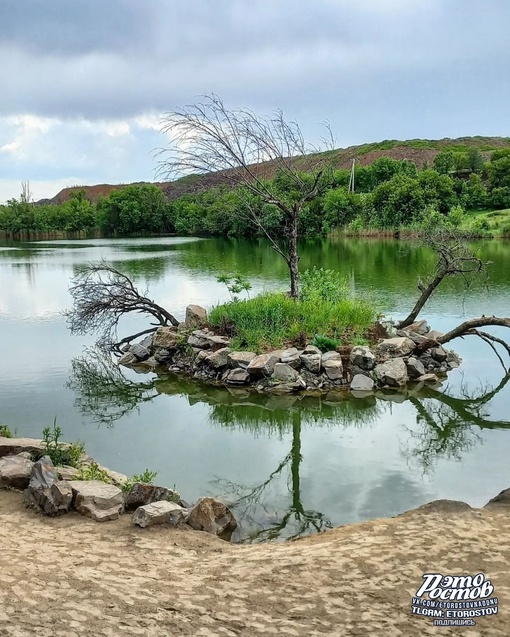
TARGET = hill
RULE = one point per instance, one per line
(420, 151)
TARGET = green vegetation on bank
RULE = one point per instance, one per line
(324, 313)
(466, 186)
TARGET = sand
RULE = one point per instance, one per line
(71, 576)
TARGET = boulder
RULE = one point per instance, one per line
(418, 327)
(291, 357)
(362, 357)
(218, 342)
(392, 373)
(263, 365)
(311, 358)
(196, 316)
(162, 355)
(237, 376)
(428, 378)
(165, 338)
(333, 368)
(43, 474)
(212, 516)
(97, 500)
(14, 446)
(219, 358)
(395, 347)
(360, 382)
(141, 494)
(15, 471)
(434, 335)
(284, 373)
(502, 499)
(199, 338)
(54, 500)
(438, 354)
(162, 512)
(240, 359)
(68, 473)
(415, 367)
(330, 356)
(139, 352)
(127, 359)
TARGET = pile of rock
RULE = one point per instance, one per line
(208, 356)
(54, 491)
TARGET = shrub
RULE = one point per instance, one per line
(326, 285)
(324, 343)
(456, 216)
(146, 477)
(93, 471)
(61, 453)
(5, 431)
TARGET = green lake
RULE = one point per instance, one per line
(289, 465)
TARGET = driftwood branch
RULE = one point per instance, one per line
(101, 296)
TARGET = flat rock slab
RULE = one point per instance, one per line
(14, 446)
(263, 365)
(398, 346)
(97, 500)
(15, 471)
(240, 359)
(163, 512)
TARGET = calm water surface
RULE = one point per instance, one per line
(290, 465)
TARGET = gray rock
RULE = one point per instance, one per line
(415, 367)
(54, 500)
(330, 356)
(127, 359)
(240, 359)
(291, 357)
(147, 342)
(219, 358)
(434, 335)
(502, 499)
(438, 354)
(141, 353)
(333, 368)
(362, 357)
(284, 373)
(162, 355)
(218, 342)
(311, 358)
(263, 365)
(196, 316)
(395, 347)
(165, 338)
(14, 446)
(43, 474)
(418, 327)
(163, 512)
(68, 473)
(141, 494)
(237, 376)
(428, 378)
(212, 516)
(392, 373)
(97, 500)
(15, 471)
(361, 383)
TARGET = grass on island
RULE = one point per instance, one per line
(273, 319)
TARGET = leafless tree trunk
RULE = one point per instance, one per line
(209, 137)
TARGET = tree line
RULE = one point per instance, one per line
(389, 194)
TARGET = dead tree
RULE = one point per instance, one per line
(208, 137)
(101, 297)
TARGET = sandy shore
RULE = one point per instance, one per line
(70, 576)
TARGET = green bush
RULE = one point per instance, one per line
(274, 319)
(5, 431)
(324, 343)
(324, 285)
(93, 471)
(146, 477)
(61, 453)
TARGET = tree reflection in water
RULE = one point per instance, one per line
(448, 426)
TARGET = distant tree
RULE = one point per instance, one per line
(475, 160)
(444, 162)
(209, 137)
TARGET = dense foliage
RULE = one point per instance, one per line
(389, 194)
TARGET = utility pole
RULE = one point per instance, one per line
(351, 178)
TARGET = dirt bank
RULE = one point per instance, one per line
(70, 576)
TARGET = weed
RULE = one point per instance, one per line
(146, 477)
(5, 431)
(93, 471)
(324, 343)
(59, 452)
(236, 283)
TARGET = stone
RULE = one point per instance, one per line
(165, 338)
(68, 473)
(333, 368)
(284, 373)
(428, 378)
(97, 500)
(127, 359)
(162, 512)
(14, 446)
(360, 382)
(502, 499)
(15, 471)
(438, 354)
(418, 327)
(162, 355)
(219, 358)
(139, 352)
(392, 373)
(199, 339)
(291, 357)
(417, 339)
(395, 347)
(240, 359)
(54, 500)
(415, 367)
(330, 356)
(263, 365)
(311, 358)
(196, 316)
(43, 474)
(218, 342)
(141, 494)
(212, 516)
(434, 335)
(362, 357)
(237, 376)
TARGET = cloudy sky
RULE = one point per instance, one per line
(83, 83)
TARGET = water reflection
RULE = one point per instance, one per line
(446, 426)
